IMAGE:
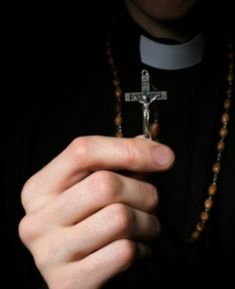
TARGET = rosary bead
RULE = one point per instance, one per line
(118, 120)
(119, 134)
(223, 132)
(212, 189)
(204, 216)
(195, 235)
(116, 82)
(155, 129)
(109, 51)
(230, 77)
(118, 106)
(200, 226)
(118, 92)
(225, 118)
(110, 60)
(208, 203)
(220, 146)
(216, 168)
(227, 103)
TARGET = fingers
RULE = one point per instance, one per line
(97, 191)
(114, 222)
(94, 270)
(111, 260)
(88, 154)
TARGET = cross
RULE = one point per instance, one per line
(146, 97)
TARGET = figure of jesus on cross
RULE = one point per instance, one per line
(146, 97)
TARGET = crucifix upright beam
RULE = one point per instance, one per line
(146, 97)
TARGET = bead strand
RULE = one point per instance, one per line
(223, 132)
(118, 121)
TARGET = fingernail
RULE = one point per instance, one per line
(163, 155)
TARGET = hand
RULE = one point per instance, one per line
(85, 223)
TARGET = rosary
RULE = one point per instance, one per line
(150, 131)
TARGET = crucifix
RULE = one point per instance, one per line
(146, 97)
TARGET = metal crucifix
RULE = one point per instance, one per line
(146, 97)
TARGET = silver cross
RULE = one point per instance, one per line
(146, 97)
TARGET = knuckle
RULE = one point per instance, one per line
(107, 186)
(48, 251)
(80, 147)
(27, 190)
(125, 253)
(28, 231)
(122, 219)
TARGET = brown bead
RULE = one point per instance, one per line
(116, 82)
(212, 189)
(216, 168)
(208, 203)
(118, 92)
(227, 103)
(231, 66)
(155, 129)
(230, 77)
(118, 106)
(118, 120)
(200, 226)
(220, 146)
(119, 134)
(225, 118)
(110, 60)
(223, 132)
(230, 92)
(115, 71)
(195, 235)
(204, 216)
(231, 54)
(109, 51)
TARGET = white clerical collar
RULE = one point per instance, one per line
(171, 56)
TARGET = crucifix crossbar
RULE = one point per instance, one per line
(146, 97)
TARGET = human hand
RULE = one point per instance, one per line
(85, 223)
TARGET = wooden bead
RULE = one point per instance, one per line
(208, 203)
(204, 216)
(225, 118)
(110, 60)
(220, 146)
(155, 129)
(119, 134)
(231, 66)
(195, 235)
(109, 51)
(212, 189)
(230, 92)
(116, 82)
(227, 103)
(118, 106)
(223, 132)
(230, 77)
(200, 226)
(118, 92)
(118, 120)
(216, 168)
(231, 55)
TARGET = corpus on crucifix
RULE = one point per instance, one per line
(146, 97)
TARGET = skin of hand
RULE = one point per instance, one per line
(84, 221)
